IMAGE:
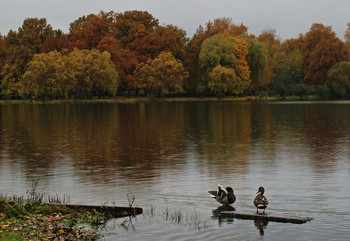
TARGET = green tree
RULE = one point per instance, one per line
(223, 80)
(339, 78)
(163, 75)
(257, 61)
(228, 52)
(288, 76)
(217, 50)
(191, 60)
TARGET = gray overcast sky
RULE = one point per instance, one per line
(288, 17)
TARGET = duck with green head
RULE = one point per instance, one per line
(260, 201)
(224, 196)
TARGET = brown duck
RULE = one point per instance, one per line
(260, 201)
(224, 196)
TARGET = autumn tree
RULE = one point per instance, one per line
(79, 74)
(339, 78)
(2, 55)
(229, 53)
(78, 23)
(223, 80)
(93, 72)
(224, 26)
(2, 50)
(91, 30)
(257, 61)
(174, 38)
(291, 45)
(58, 42)
(274, 52)
(163, 75)
(146, 45)
(347, 35)
(321, 50)
(141, 38)
(131, 25)
(21, 47)
(123, 60)
(46, 77)
(130, 37)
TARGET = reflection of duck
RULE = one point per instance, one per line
(221, 220)
(260, 201)
(224, 196)
(225, 208)
(261, 225)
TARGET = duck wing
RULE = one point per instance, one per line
(214, 193)
(264, 201)
(261, 201)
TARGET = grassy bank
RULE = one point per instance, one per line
(5, 236)
(32, 219)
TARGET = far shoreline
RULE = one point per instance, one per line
(130, 100)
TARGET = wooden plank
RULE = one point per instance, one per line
(115, 211)
(260, 216)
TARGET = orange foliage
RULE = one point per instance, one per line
(226, 27)
(59, 44)
(290, 45)
(123, 60)
(321, 51)
(93, 30)
(174, 38)
(274, 52)
(241, 50)
(131, 24)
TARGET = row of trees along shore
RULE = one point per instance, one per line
(109, 53)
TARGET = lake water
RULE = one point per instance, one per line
(169, 154)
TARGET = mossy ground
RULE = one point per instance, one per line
(25, 220)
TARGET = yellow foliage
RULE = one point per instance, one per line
(79, 74)
(161, 76)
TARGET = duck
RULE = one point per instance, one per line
(224, 196)
(260, 201)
